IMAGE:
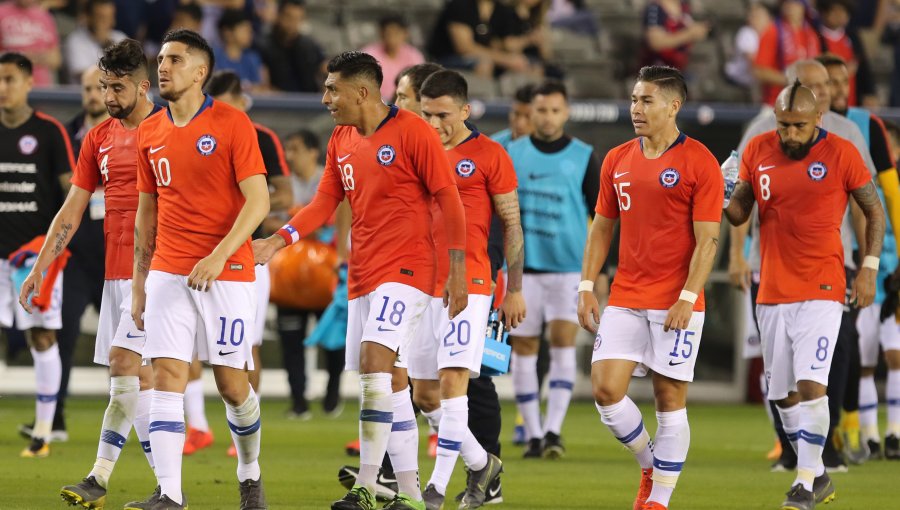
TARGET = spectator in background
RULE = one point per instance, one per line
(891, 37)
(534, 36)
(296, 62)
(480, 36)
(739, 69)
(236, 53)
(213, 10)
(519, 117)
(393, 51)
(669, 32)
(838, 39)
(96, 31)
(573, 15)
(789, 39)
(27, 28)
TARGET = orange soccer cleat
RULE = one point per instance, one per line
(432, 445)
(352, 448)
(644, 489)
(232, 450)
(653, 505)
(197, 440)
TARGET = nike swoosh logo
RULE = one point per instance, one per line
(813, 367)
(535, 177)
(226, 353)
(243, 431)
(492, 492)
(154, 150)
(104, 149)
(342, 158)
(672, 364)
(129, 335)
(382, 328)
(617, 174)
(764, 168)
(457, 352)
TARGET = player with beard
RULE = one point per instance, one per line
(800, 177)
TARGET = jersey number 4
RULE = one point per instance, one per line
(162, 171)
(104, 168)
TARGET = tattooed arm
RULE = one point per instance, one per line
(507, 207)
(742, 199)
(144, 246)
(60, 233)
(863, 290)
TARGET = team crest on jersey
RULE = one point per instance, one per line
(817, 171)
(386, 155)
(206, 145)
(669, 178)
(465, 168)
(27, 145)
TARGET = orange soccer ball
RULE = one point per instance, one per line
(303, 275)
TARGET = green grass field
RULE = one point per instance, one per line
(726, 468)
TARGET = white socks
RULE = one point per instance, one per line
(167, 440)
(403, 444)
(47, 374)
(244, 422)
(117, 421)
(813, 419)
(142, 424)
(194, 406)
(670, 449)
(625, 422)
(451, 432)
(525, 383)
(376, 416)
(790, 421)
(893, 402)
(562, 380)
(868, 409)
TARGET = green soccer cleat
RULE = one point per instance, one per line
(87, 493)
(823, 489)
(478, 483)
(404, 502)
(799, 498)
(359, 498)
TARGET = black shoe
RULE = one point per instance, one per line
(892, 448)
(799, 498)
(787, 461)
(87, 493)
(875, 452)
(299, 411)
(492, 496)
(477, 483)
(833, 459)
(57, 435)
(386, 487)
(332, 404)
(552, 447)
(253, 496)
(823, 489)
(533, 450)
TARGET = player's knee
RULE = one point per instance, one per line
(169, 375)
(811, 390)
(123, 362)
(145, 377)
(427, 401)
(234, 392)
(525, 346)
(41, 339)
(607, 395)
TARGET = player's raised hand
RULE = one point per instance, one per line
(513, 309)
(32, 285)
(588, 311)
(138, 303)
(679, 316)
(205, 272)
(265, 249)
(863, 290)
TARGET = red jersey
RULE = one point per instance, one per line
(482, 169)
(389, 179)
(801, 206)
(195, 171)
(780, 46)
(658, 201)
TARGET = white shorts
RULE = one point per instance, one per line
(548, 297)
(798, 342)
(215, 325)
(390, 315)
(442, 343)
(11, 312)
(263, 285)
(637, 335)
(116, 327)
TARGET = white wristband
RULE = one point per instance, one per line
(688, 296)
(871, 262)
(586, 286)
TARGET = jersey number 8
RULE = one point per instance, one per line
(346, 172)
(162, 171)
(764, 192)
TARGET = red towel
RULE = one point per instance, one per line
(32, 249)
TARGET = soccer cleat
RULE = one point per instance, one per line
(299, 412)
(432, 445)
(892, 448)
(434, 500)
(147, 503)
(87, 493)
(787, 461)
(552, 447)
(855, 450)
(352, 448)
(533, 450)
(359, 498)
(644, 488)
(158, 501)
(38, 449)
(799, 498)
(494, 494)
(823, 489)
(232, 450)
(404, 502)
(775, 452)
(653, 505)
(253, 496)
(833, 460)
(478, 482)
(875, 452)
(197, 440)
(385, 486)
(57, 435)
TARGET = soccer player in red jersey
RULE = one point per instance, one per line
(108, 159)
(446, 351)
(666, 189)
(800, 176)
(390, 165)
(203, 191)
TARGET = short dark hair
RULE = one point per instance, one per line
(827, 5)
(90, 4)
(830, 59)
(310, 140)
(666, 78)
(193, 41)
(356, 64)
(393, 18)
(124, 58)
(191, 9)
(524, 94)
(291, 3)
(231, 18)
(446, 83)
(224, 82)
(17, 59)
(548, 87)
(418, 74)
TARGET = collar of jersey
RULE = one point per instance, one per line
(822, 135)
(473, 135)
(391, 114)
(207, 103)
(681, 138)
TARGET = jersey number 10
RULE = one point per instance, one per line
(162, 171)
